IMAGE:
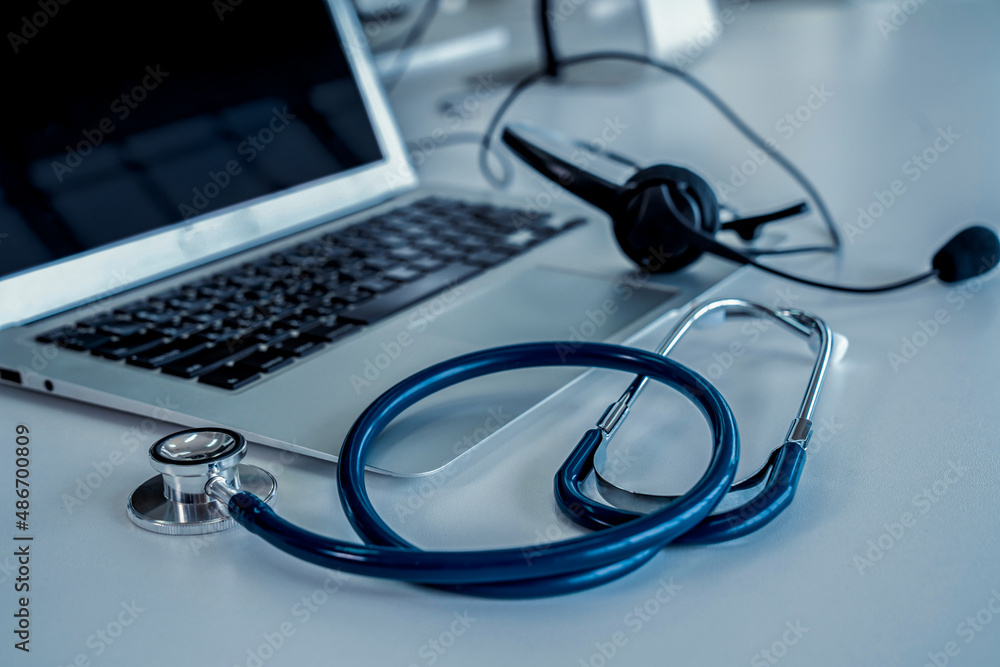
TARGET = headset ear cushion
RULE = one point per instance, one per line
(648, 231)
(703, 194)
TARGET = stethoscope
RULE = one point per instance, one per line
(203, 487)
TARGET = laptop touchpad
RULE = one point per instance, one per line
(538, 304)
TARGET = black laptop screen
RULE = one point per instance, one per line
(122, 117)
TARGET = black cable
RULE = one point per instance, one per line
(548, 43)
(747, 229)
(846, 288)
(405, 52)
(723, 108)
(791, 251)
(695, 225)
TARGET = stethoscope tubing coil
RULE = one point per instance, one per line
(562, 567)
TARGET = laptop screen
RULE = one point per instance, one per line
(122, 117)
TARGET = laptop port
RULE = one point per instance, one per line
(10, 376)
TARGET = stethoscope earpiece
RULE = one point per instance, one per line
(176, 502)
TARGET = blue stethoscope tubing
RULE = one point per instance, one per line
(772, 500)
(621, 545)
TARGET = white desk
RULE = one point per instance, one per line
(890, 546)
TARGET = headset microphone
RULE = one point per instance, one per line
(665, 217)
(970, 253)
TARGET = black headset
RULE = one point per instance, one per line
(665, 217)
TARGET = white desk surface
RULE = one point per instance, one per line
(838, 579)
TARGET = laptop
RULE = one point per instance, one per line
(208, 216)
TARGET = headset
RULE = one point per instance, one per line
(665, 217)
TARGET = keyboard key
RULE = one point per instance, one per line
(128, 345)
(191, 305)
(402, 274)
(486, 258)
(251, 281)
(272, 336)
(266, 361)
(351, 295)
(394, 241)
(327, 332)
(521, 239)
(407, 253)
(77, 341)
(382, 263)
(356, 273)
(317, 311)
(178, 330)
(230, 377)
(201, 318)
(427, 264)
(390, 302)
(157, 317)
(209, 358)
(299, 347)
(294, 322)
(53, 336)
(277, 310)
(217, 293)
(377, 285)
(219, 333)
(122, 328)
(94, 323)
(450, 254)
(302, 261)
(164, 354)
(430, 244)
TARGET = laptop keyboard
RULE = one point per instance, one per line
(236, 326)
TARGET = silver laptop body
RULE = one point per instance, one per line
(574, 287)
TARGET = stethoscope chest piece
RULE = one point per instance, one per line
(175, 501)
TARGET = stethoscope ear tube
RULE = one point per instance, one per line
(568, 487)
(777, 494)
(781, 471)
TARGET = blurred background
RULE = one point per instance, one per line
(415, 35)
